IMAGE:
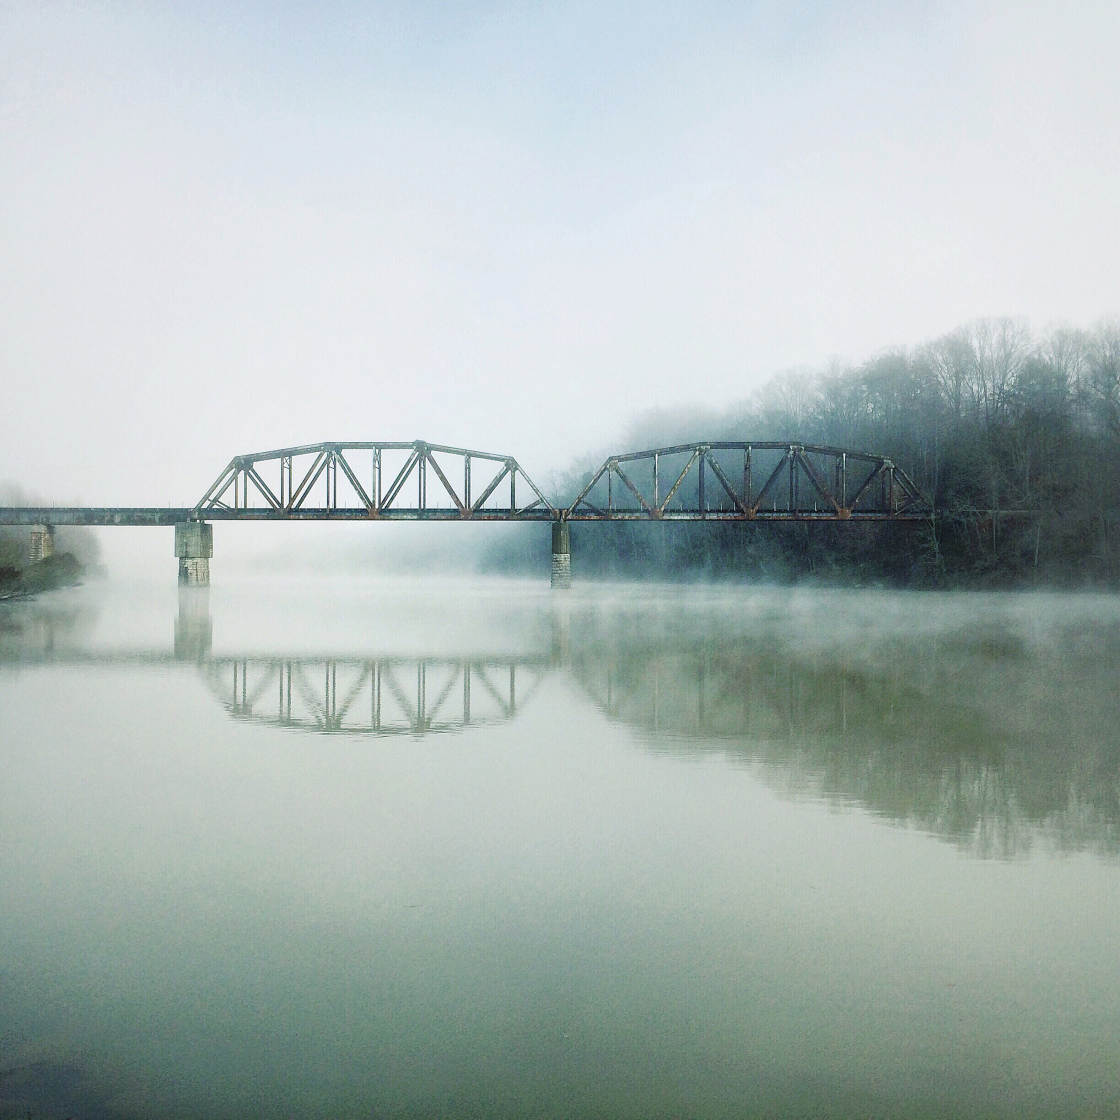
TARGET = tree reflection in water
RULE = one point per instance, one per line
(973, 733)
(981, 725)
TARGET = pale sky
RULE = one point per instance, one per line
(231, 227)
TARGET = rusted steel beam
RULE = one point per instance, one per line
(876, 473)
(352, 478)
(263, 487)
(818, 482)
(399, 481)
(494, 483)
(680, 478)
(586, 514)
(650, 512)
(775, 474)
(447, 485)
(219, 486)
(309, 479)
(717, 470)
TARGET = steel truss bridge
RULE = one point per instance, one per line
(418, 481)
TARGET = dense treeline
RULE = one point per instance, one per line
(1015, 438)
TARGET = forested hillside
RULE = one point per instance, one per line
(1015, 438)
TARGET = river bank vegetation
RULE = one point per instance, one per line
(1014, 437)
(76, 551)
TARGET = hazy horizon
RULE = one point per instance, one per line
(510, 228)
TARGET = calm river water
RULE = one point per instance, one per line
(358, 849)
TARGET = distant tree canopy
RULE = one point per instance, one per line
(1016, 439)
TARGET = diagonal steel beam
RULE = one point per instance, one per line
(295, 500)
(220, 485)
(352, 477)
(680, 478)
(264, 489)
(492, 487)
(814, 477)
(634, 490)
(582, 495)
(775, 474)
(876, 472)
(445, 483)
(398, 482)
(717, 470)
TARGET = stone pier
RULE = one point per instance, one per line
(561, 555)
(194, 545)
(42, 543)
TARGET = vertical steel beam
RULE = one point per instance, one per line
(747, 476)
(656, 480)
(701, 498)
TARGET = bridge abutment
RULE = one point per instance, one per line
(561, 555)
(194, 545)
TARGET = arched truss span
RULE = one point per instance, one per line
(734, 481)
(403, 481)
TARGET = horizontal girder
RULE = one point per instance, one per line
(94, 515)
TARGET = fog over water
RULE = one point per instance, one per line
(358, 832)
(400, 847)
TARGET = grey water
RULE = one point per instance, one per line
(360, 848)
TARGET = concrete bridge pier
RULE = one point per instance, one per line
(194, 545)
(561, 555)
(42, 542)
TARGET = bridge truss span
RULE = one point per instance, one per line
(399, 481)
(738, 481)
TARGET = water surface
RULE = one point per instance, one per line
(405, 849)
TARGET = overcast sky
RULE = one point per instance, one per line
(230, 227)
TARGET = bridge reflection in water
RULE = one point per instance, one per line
(973, 731)
(371, 696)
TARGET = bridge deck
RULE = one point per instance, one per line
(140, 516)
